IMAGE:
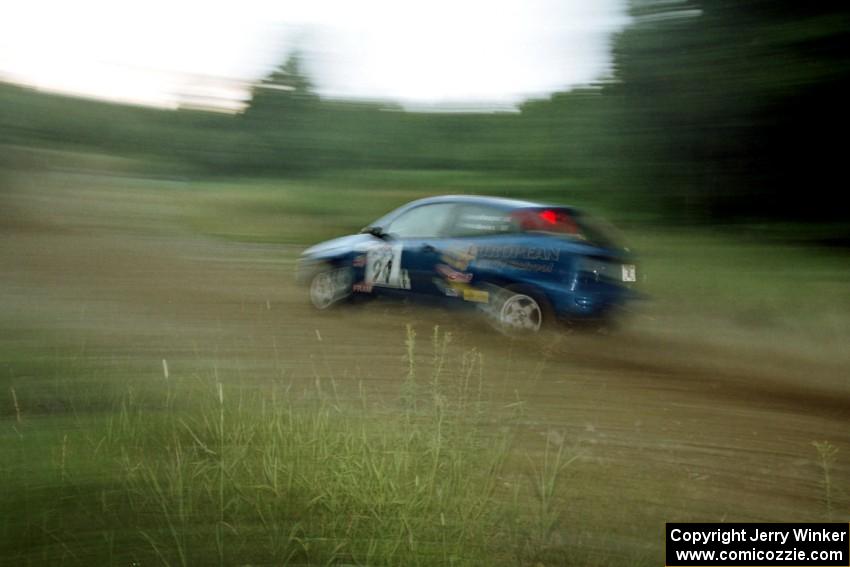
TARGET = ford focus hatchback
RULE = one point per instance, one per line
(527, 265)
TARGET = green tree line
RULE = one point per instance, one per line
(718, 110)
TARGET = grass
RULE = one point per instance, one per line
(198, 472)
(320, 208)
(827, 453)
(146, 419)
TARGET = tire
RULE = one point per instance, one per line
(329, 285)
(522, 311)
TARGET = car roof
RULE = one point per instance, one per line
(501, 202)
(482, 200)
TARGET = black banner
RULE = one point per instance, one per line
(761, 545)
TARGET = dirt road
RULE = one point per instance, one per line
(669, 425)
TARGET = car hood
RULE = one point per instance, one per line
(351, 243)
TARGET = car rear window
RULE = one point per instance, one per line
(481, 220)
(565, 222)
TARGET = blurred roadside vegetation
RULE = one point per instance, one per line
(718, 112)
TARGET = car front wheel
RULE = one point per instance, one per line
(330, 285)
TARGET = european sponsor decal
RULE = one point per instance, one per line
(519, 253)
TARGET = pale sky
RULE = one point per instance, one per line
(162, 52)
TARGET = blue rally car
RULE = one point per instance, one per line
(526, 264)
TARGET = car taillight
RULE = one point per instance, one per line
(548, 216)
(546, 220)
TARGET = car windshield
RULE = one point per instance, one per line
(422, 221)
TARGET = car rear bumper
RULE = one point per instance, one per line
(589, 303)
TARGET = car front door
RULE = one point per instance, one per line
(406, 259)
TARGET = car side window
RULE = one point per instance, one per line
(422, 222)
(481, 220)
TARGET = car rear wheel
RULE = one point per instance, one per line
(521, 311)
(330, 285)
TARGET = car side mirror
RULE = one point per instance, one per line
(376, 231)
